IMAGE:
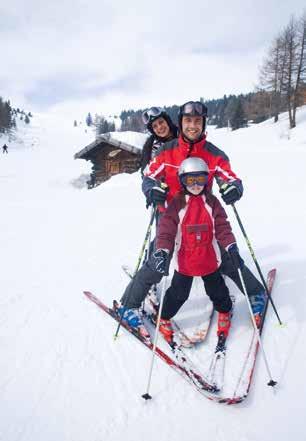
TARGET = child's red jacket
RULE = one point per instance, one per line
(192, 227)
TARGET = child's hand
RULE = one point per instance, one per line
(160, 260)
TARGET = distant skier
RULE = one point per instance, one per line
(5, 149)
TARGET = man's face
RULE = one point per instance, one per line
(192, 127)
(161, 128)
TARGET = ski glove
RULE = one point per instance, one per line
(235, 256)
(231, 192)
(158, 195)
(160, 261)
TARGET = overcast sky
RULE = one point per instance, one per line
(106, 55)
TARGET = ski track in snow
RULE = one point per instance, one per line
(62, 376)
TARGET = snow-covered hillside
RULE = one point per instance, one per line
(62, 376)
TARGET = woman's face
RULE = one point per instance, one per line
(160, 128)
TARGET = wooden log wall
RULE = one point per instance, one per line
(110, 161)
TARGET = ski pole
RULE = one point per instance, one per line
(255, 261)
(147, 236)
(146, 395)
(146, 239)
(271, 381)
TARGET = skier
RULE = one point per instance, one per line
(192, 142)
(162, 129)
(164, 167)
(192, 224)
(4, 149)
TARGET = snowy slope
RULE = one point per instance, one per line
(61, 374)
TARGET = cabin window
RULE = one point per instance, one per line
(112, 167)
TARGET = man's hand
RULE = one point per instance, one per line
(158, 194)
(231, 192)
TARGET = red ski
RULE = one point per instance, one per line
(182, 365)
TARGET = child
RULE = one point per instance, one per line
(190, 228)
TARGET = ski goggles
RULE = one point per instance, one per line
(193, 108)
(151, 114)
(190, 180)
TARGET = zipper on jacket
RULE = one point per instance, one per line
(191, 144)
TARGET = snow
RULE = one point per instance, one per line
(133, 138)
(62, 376)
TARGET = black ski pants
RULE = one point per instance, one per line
(179, 290)
(139, 286)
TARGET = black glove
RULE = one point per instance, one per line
(157, 195)
(235, 256)
(231, 192)
(160, 261)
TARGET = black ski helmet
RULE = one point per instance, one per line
(192, 108)
(150, 115)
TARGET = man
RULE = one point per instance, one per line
(164, 169)
(191, 142)
(4, 149)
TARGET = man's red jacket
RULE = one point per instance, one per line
(164, 167)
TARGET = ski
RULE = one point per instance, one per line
(182, 366)
(183, 338)
(217, 364)
(244, 380)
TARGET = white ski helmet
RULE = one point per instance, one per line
(193, 166)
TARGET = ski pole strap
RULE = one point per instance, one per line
(256, 262)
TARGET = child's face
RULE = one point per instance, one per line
(195, 189)
(194, 182)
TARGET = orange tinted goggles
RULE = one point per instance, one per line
(190, 180)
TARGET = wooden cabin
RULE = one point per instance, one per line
(109, 156)
(303, 101)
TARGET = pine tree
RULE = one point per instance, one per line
(5, 116)
(238, 119)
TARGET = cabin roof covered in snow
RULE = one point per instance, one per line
(129, 141)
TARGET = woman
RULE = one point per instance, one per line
(162, 129)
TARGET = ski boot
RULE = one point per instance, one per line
(133, 319)
(258, 302)
(224, 323)
(165, 328)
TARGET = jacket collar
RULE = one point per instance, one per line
(188, 146)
